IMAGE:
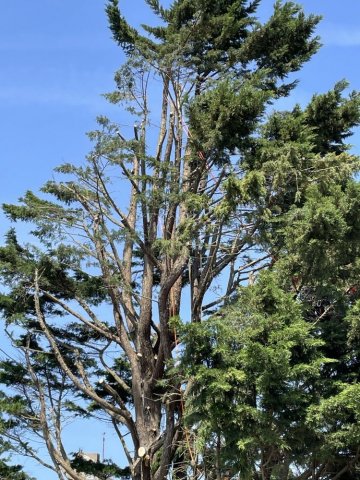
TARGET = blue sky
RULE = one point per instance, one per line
(57, 57)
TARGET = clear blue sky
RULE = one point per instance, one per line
(57, 57)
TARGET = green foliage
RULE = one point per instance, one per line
(320, 234)
(331, 118)
(272, 376)
(125, 35)
(217, 30)
(224, 117)
(8, 470)
(282, 45)
(12, 472)
(102, 470)
(342, 408)
(255, 368)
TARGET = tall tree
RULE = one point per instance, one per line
(156, 221)
(255, 371)
(275, 374)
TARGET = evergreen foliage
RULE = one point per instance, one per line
(256, 371)
(259, 380)
(12, 472)
(101, 470)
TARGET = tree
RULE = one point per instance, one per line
(147, 226)
(275, 374)
(256, 370)
(265, 402)
(10, 471)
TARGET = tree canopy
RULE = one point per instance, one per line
(141, 301)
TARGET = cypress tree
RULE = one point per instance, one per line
(158, 216)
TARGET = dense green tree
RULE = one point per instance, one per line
(104, 470)
(160, 217)
(255, 371)
(264, 401)
(274, 389)
(12, 472)
(9, 471)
